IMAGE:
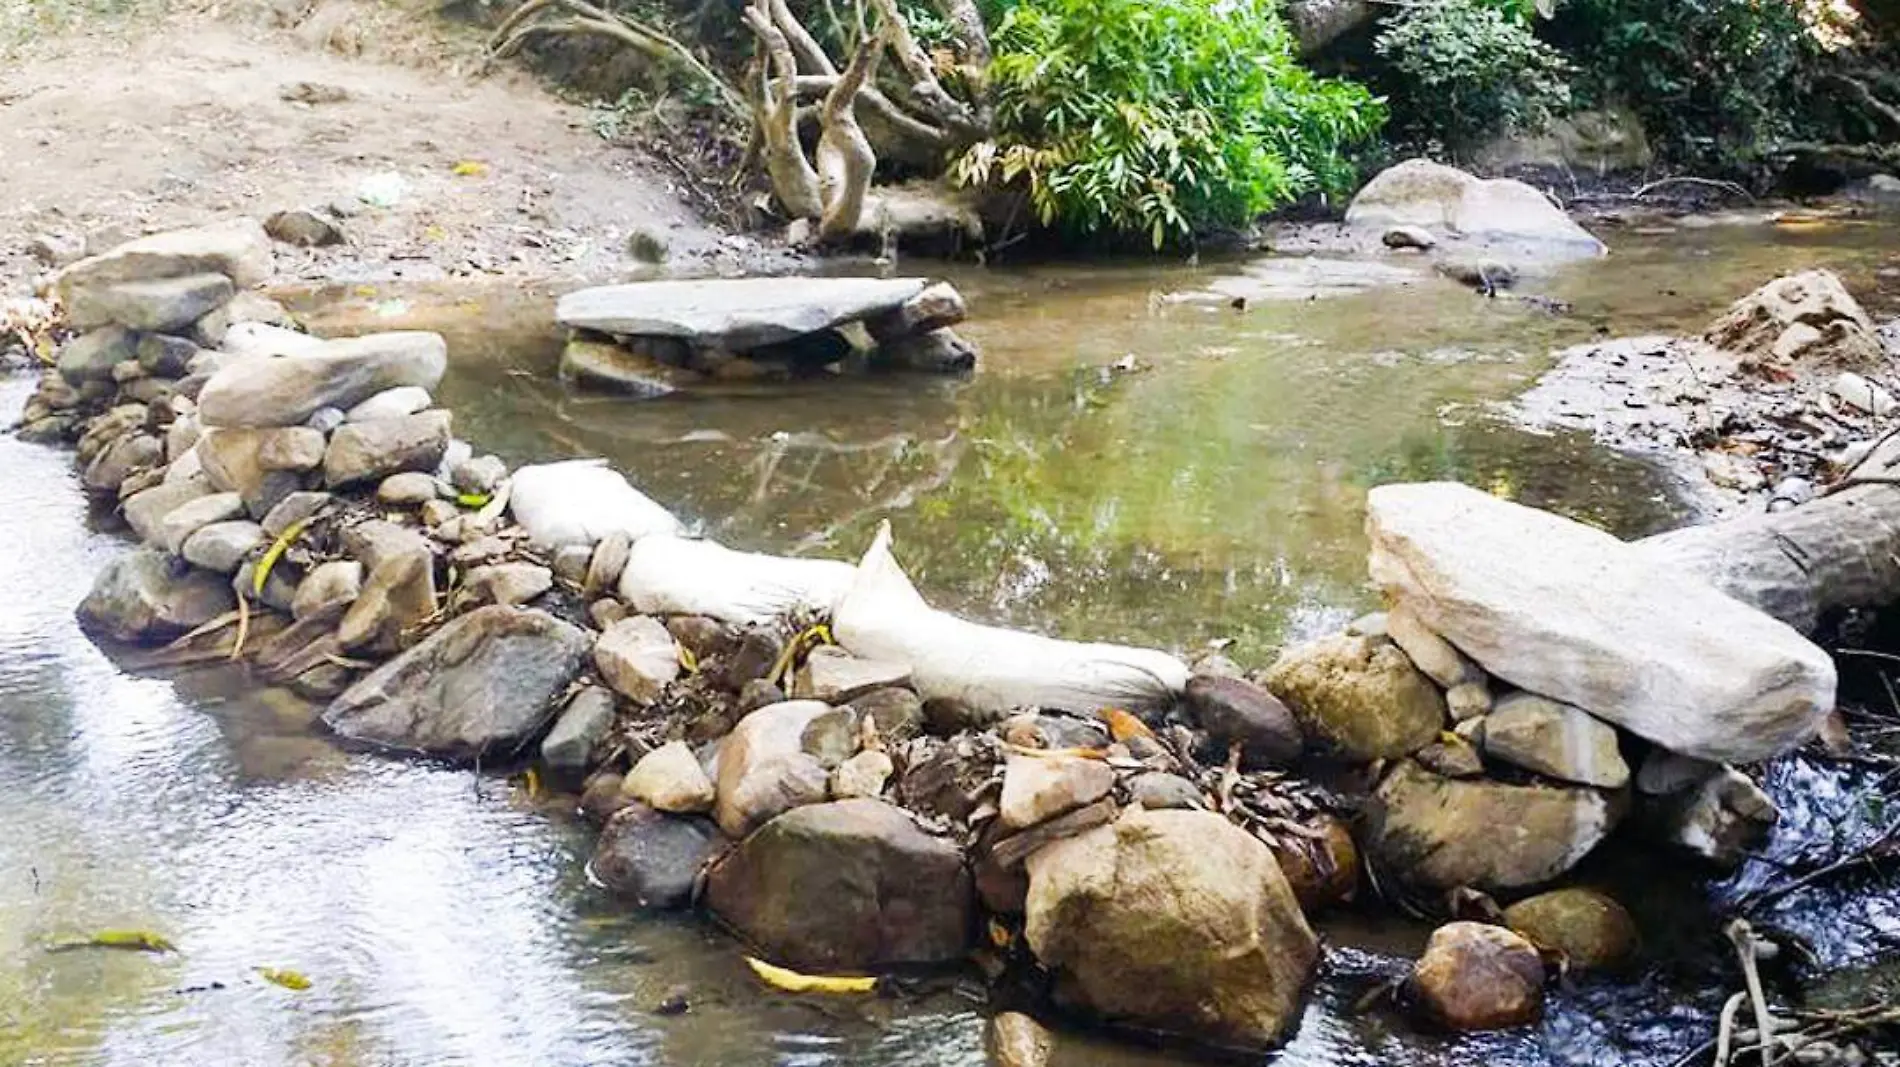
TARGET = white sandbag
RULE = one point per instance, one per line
(882, 617)
(581, 501)
(677, 576)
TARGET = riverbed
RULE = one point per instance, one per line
(1127, 465)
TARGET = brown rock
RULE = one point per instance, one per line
(1322, 872)
(1440, 833)
(1479, 977)
(1359, 696)
(1036, 788)
(1233, 709)
(764, 770)
(1016, 1040)
(1590, 930)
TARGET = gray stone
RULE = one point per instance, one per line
(937, 307)
(1233, 709)
(570, 748)
(120, 459)
(897, 713)
(92, 355)
(194, 515)
(391, 404)
(1438, 833)
(129, 371)
(143, 597)
(764, 770)
(1415, 237)
(56, 249)
(331, 584)
(831, 738)
(166, 356)
(833, 675)
(478, 474)
(654, 858)
(436, 513)
(239, 249)
(1722, 819)
(1159, 792)
(1560, 609)
(735, 314)
(366, 451)
(397, 596)
(293, 509)
(670, 778)
(293, 448)
(146, 511)
(509, 583)
(325, 420)
(286, 390)
(863, 775)
(850, 886)
(223, 546)
(165, 305)
(407, 490)
(233, 462)
(638, 657)
(605, 366)
(1177, 921)
(1664, 772)
(606, 563)
(1452, 757)
(213, 330)
(1470, 700)
(1038, 788)
(304, 228)
(480, 686)
(1555, 740)
(1430, 653)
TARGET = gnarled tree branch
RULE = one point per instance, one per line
(589, 20)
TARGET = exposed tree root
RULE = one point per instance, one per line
(589, 20)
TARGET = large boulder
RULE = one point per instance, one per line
(145, 597)
(164, 305)
(733, 313)
(848, 886)
(1419, 192)
(485, 684)
(1808, 319)
(1441, 833)
(1318, 23)
(1572, 613)
(288, 389)
(654, 858)
(1173, 920)
(1359, 697)
(764, 769)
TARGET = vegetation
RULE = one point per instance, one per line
(1161, 118)
(1465, 70)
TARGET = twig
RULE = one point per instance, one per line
(1743, 936)
(1715, 183)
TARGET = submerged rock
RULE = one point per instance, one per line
(1177, 921)
(847, 887)
(1439, 833)
(1359, 696)
(1588, 929)
(654, 858)
(1479, 977)
(1591, 621)
(143, 597)
(480, 686)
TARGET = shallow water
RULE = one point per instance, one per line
(444, 917)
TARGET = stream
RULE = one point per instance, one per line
(1213, 489)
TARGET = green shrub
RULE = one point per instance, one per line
(1713, 80)
(1161, 118)
(1466, 70)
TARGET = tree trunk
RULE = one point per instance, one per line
(1807, 563)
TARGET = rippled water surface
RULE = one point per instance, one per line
(1214, 491)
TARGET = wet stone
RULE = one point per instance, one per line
(897, 713)
(223, 546)
(654, 858)
(570, 747)
(670, 778)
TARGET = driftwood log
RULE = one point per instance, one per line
(1809, 563)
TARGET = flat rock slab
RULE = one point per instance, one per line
(1573, 614)
(735, 313)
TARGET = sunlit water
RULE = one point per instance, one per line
(1215, 491)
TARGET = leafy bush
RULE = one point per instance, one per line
(1161, 118)
(1712, 79)
(1465, 70)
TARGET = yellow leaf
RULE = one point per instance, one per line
(688, 662)
(274, 553)
(1122, 725)
(793, 982)
(130, 940)
(472, 500)
(288, 979)
(470, 168)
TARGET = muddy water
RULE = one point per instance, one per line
(1214, 490)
